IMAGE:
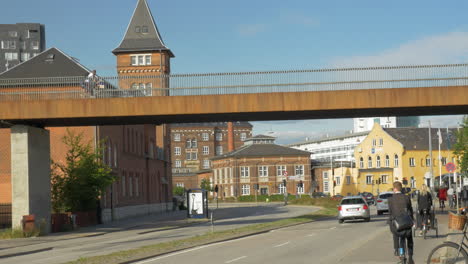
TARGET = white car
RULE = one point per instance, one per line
(382, 202)
(353, 207)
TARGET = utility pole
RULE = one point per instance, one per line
(430, 157)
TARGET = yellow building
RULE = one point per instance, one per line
(401, 154)
(345, 181)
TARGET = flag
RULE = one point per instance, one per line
(440, 137)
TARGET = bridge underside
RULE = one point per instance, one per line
(238, 107)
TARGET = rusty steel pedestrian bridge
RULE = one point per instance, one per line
(252, 96)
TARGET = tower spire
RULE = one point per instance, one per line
(142, 33)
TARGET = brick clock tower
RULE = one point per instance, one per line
(143, 65)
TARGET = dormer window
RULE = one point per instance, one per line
(144, 29)
(137, 29)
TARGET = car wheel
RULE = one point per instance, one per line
(379, 213)
(340, 221)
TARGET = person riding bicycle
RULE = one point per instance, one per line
(424, 204)
(398, 205)
(442, 195)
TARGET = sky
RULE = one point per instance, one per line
(258, 35)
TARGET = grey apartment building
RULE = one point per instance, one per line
(20, 42)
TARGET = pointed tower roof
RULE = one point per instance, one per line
(142, 33)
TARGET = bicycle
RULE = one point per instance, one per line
(450, 252)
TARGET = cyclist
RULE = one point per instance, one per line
(442, 195)
(424, 203)
(400, 204)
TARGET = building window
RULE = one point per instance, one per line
(263, 171)
(176, 137)
(281, 170)
(137, 186)
(384, 179)
(299, 170)
(178, 164)
(369, 162)
(412, 162)
(428, 161)
(8, 44)
(188, 143)
(180, 184)
(194, 156)
(177, 151)
(206, 164)
(13, 34)
(281, 188)
(130, 185)
(369, 179)
(387, 161)
(188, 156)
(326, 187)
(141, 59)
(124, 187)
(374, 142)
(325, 175)
(245, 172)
(9, 56)
(115, 155)
(300, 189)
(219, 136)
(194, 143)
(361, 162)
(206, 150)
(24, 56)
(137, 29)
(348, 180)
(444, 161)
(395, 161)
(245, 189)
(219, 150)
(144, 29)
(378, 162)
(338, 180)
(243, 136)
(35, 45)
(205, 137)
(381, 142)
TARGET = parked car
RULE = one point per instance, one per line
(369, 197)
(353, 207)
(318, 194)
(382, 202)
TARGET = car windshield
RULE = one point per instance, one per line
(353, 201)
(385, 195)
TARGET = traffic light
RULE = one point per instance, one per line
(284, 182)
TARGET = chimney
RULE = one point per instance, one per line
(230, 136)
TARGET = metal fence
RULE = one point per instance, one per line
(234, 83)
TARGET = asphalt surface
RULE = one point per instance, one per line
(324, 241)
(60, 249)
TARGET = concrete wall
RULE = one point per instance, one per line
(136, 210)
(30, 156)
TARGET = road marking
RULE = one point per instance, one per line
(236, 259)
(311, 235)
(333, 227)
(280, 245)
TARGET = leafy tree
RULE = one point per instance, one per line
(78, 183)
(461, 147)
(178, 191)
(206, 185)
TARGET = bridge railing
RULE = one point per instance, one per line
(151, 84)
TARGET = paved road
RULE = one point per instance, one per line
(324, 241)
(60, 251)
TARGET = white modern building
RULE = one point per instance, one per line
(363, 124)
(340, 148)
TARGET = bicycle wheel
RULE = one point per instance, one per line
(447, 253)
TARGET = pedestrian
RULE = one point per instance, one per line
(465, 195)
(450, 197)
(399, 205)
(91, 81)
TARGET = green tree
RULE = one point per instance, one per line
(178, 191)
(461, 147)
(78, 182)
(206, 185)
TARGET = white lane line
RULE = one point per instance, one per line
(236, 259)
(311, 235)
(333, 227)
(280, 245)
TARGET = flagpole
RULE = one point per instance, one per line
(430, 157)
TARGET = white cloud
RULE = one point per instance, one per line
(441, 121)
(445, 48)
(251, 29)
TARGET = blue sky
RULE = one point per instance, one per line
(226, 36)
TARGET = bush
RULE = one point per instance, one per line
(262, 198)
(322, 202)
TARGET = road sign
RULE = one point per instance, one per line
(450, 167)
(285, 174)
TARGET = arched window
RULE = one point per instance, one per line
(387, 161)
(369, 162)
(378, 162)
(395, 161)
(194, 143)
(361, 162)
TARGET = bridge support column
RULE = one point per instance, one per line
(30, 175)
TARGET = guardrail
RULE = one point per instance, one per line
(234, 83)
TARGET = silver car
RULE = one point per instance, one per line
(382, 202)
(353, 207)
